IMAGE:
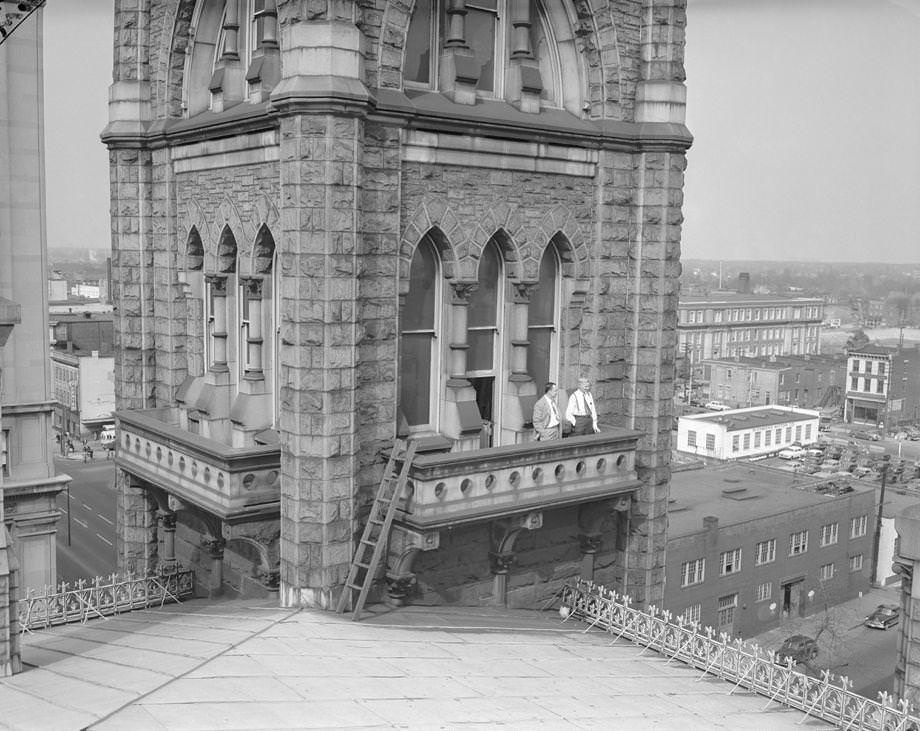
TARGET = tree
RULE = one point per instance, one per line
(858, 339)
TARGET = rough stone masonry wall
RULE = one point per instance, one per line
(10, 661)
(320, 168)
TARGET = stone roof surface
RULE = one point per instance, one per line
(251, 665)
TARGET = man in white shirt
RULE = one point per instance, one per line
(546, 421)
(580, 412)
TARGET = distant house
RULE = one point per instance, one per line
(748, 548)
(883, 386)
(751, 432)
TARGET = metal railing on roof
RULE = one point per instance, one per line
(102, 597)
(745, 665)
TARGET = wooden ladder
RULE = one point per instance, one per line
(377, 529)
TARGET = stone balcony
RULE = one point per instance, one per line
(465, 487)
(232, 483)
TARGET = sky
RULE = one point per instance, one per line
(805, 116)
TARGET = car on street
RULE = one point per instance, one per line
(792, 452)
(884, 616)
(798, 648)
(867, 435)
(716, 406)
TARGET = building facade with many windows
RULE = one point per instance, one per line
(728, 324)
(808, 381)
(746, 548)
(341, 223)
(883, 386)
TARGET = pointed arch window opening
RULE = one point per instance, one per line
(488, 34)
(420, 322)
(544, 320)
(484, 336)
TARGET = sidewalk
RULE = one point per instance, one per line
(252, 665)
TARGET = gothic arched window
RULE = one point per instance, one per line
(418, 331)
(542, 320)
(492, 32)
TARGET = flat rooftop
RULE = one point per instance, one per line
(739, 492)
(741, 419)
(747, 298)
(252, 665)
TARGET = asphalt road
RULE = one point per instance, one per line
(89, 518)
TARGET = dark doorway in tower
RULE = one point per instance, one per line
(484, 388)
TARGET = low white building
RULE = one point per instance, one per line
(750, 432)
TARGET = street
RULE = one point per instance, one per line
(87, 519)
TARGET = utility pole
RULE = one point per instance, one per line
(878, 524)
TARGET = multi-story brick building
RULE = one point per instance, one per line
(809, 381)
(883, 386)
(729, 324)
(337, 223)
(750, 545)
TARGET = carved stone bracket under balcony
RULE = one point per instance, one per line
(403, 547)
(488, 484)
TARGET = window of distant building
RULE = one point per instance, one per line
(710, 442)
(692, 613)
(858, 526)
(827, 572)
(766, 436)
(807, 426)
(763, 592)
(828, 534)
(691, 438)
(766, 552)
(693, 572)
(727, 605)
(854, 383)
(730, 562)
(856, 562)
(756, 440)
(798, 542)
(736, 443)
(747, 440)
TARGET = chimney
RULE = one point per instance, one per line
(744, 283)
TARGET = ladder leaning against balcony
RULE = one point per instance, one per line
(377, 529)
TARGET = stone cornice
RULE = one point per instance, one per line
(424, 112)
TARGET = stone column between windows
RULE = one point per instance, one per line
(520, 383)
(524, 83)
(460, 398)
(253, 292)
(217, 292)
(458, 74)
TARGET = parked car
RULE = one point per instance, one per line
(814, 452)
(799, 648)
(884, 616)
(867, 435)
(791, 453)
(716, 406)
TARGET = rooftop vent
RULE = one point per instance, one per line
(739, 493)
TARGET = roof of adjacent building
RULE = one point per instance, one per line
(782, 361)
(740, 492)
(747, 298)
(751, 418)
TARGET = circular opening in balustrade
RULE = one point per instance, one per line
(137, 445)
(468, 483)
(194, 469)
(182, 463)
(147, 449)
(410, 489)
(159, 454)
(602, 465)
(207, 474)
(620, 460)
(439, 490)
(490, 482)
(272, 477)
(560, 471)
(515, 479)
(169, 458)
(220, 479)
(537, 474)
(581, 468)
(248, 481)
(127, 441)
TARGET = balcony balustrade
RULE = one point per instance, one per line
(233, 483)
(463, 487)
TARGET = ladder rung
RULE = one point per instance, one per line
(368, 543)
(355, 587)
(362, 565)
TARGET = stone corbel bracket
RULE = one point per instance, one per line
(505, 533)
(404, 545)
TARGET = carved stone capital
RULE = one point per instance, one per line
(590, 543)
(522, 292)
(253, 286)
(501, 563)
(460, 292)
(217, 282)
(399, 588)
(167, 519)
(213, 546)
